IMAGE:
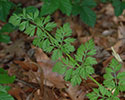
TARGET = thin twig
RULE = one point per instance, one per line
(26, 83)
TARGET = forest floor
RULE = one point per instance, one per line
(22, 59)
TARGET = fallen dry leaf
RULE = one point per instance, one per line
(76, 93)
(121, 32)
(15, 92)
(121, 37)
(17, 48)
(40, 55)
(27, 65)
(107, 61)
(51, 78)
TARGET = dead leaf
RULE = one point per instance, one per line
(76, 93)
(121, 37)
(17, 48)
(15, 92)
(48, 94)
(107, 61)
(101, 41)
(84, 39)
(109, 10)
(40, 55)
(52, 77)
(27, 65)
(121, 32)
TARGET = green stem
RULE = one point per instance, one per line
(51, 37)
(88, 75)
(69, 55)
(94, 80)
(48, 34)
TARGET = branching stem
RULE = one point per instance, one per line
(74, 61)
(71, 57)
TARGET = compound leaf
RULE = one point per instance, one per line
(59, 67)
(39, 32)
(83, 73)
(46, 20)
(90, 45)
(68, 74)
(108, 76)
(67, 30)
(80, 50)
(69, 40)
(104, 1)
(49, 7)
(45, 44)
(62, 32)
(15, 20)
(76, 80)
(4, 38)
(121, 75)
(50, 26)
(118, 7)
(65, 6)
(5, 78)
(115, 65)
(7, 28)
(5, 7)
(116, 92)
(4, 88)
(102, 90)
(80, 53)
(121, 87)
(32, 12)
(56, 54)
(89, 70)
(23, 25)
(92, 95)
(89, 3)
(87, 15)
(30, 30)
(109, 70)
(90, 61)
(109, 83)
(2, 71)
(115, 98)
(4, 93)
(5, 96)
(67, 48)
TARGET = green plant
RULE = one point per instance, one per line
(73, 68)
(118, 5)
(68, 7)
(5, 7)
(51, 6)
(5, 79)
(7, 28)
(113, 83)
(79, 7)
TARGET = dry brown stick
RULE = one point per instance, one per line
(26, 83)
(41, 81)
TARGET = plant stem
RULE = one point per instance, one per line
(69, 55)
(88, 75)
(94, 80)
